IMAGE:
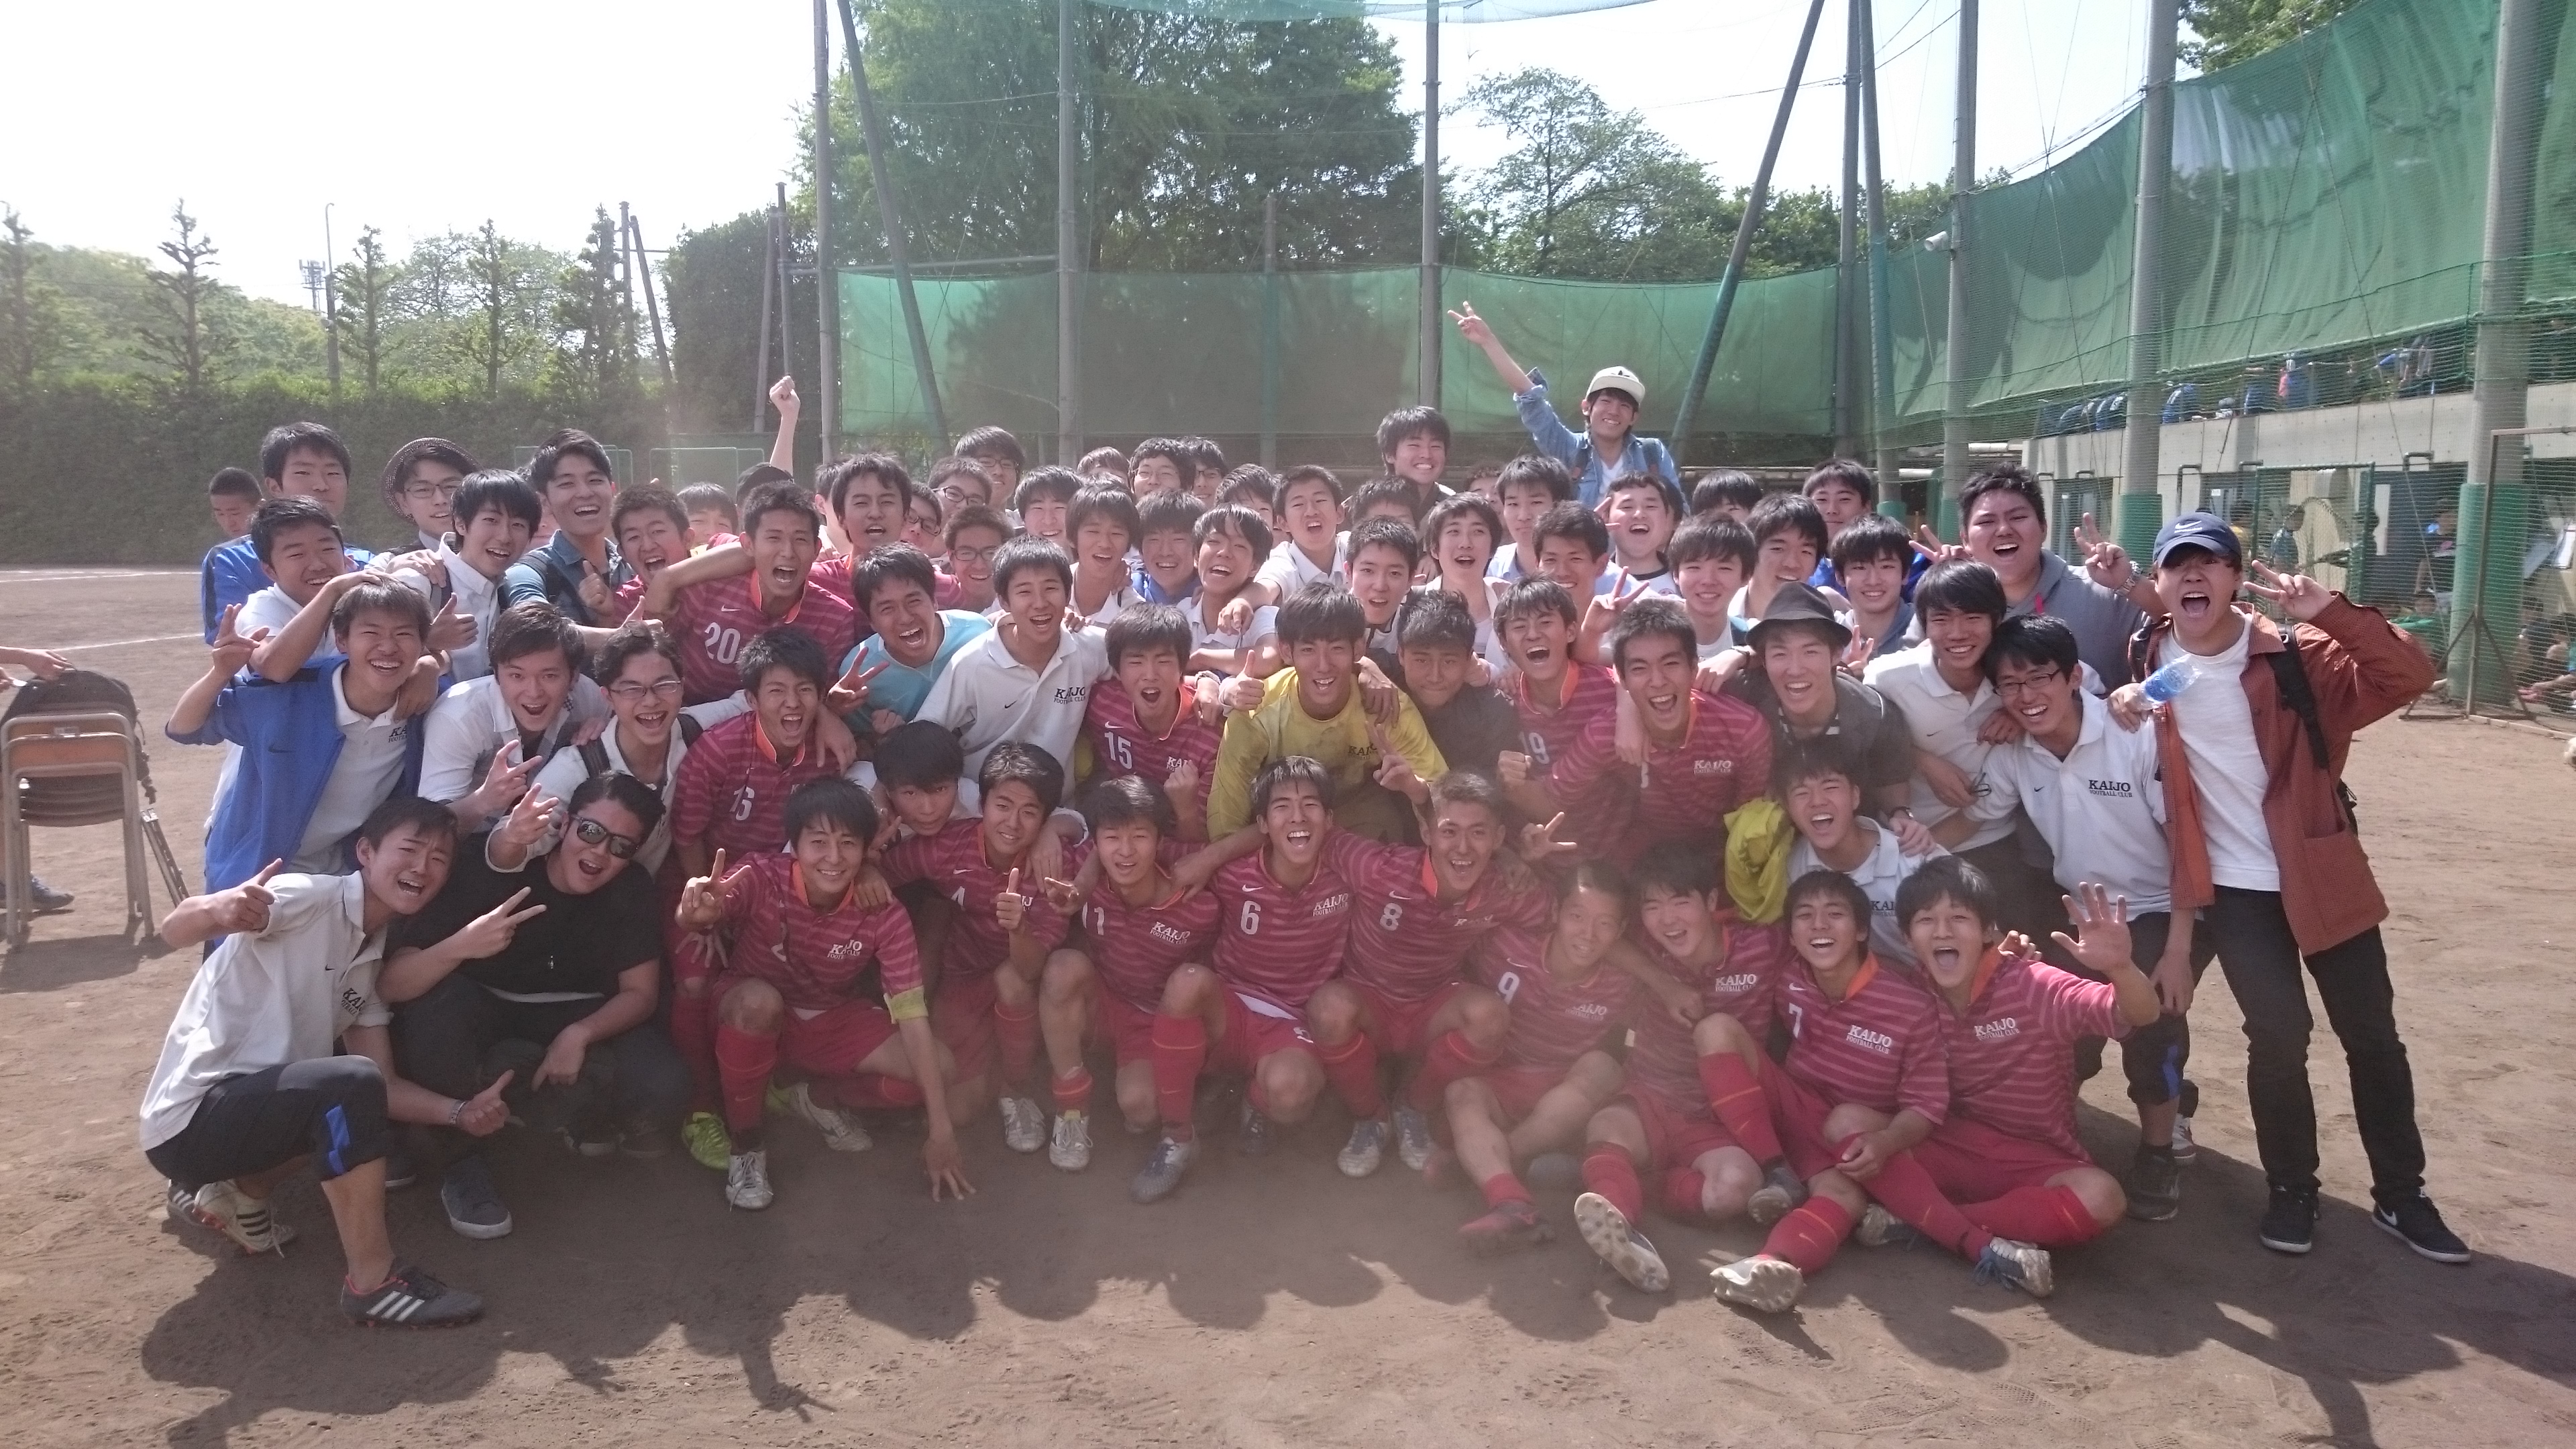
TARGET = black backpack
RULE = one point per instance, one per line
(594, 756)
(85, 691)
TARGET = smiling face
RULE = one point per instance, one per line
(1312, 514)
(1152, 679)
(1044, 518)
(961, 488)
(1800, 665)
(535, 686)
(1293, 825)
(1012, 817)
(1225, 563)
(871, 512)
(2004, 532)
(382, 646)
(1036, 598)
(1787, 556)
(407, 869)
(645, 698)
(829, 855)
(1707, 584)
(579, 494)
(1521, 504)
(1170, 559)
(786, 702)
(304, 557)
(1609, 414)
(2198, 590)
(651, 541)
(1378, 577)
(492, 540)
(2044, 698)
(1100, 546)
(921, 527)
(1658, 673)
(429, 487)
(1155, 474)
(1465, 546)
(1949, 941)
(1959, 638)
(1433, 674)
(1641, 523)
(1839, 502)
(1464, 837)
(1825, 933)
(1004, 473)
(1539, 641)
(1571, 565)
(582, 865)
(1126, 853)
(1822, 808)
(907, 620)
(315, 474)
(1875, 585)
(1679, 921)
(1588, 923)
(1327, 673)
(924, 809)
(970, 560)
(1419, 458)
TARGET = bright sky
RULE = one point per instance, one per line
(259, 112)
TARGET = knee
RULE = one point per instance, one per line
(1839, 1190)
(2100, 1193)
(1292, 1082)
(1850, 1119)
(1136, 1101)
(354, 1078)
(1486, 1019)
(1188, 991)
(1067, 976)
(1727, 1184)
(1333, 1015)
(751, 1006)
(1718, 1032)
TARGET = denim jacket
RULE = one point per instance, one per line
(1549, 434)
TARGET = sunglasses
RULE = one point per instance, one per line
(591, 832)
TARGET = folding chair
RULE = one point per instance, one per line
(103, 751)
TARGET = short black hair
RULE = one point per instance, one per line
(2042, 639)
(993, 440)
(1961, 586)
(750, 478)
(831, 800)
(283, 443)
(712, 498)
(274, 515)
(1291, 770)
(1029, 553)
(380, 596)
(1057, 484)
(1128, 800)
(1102, 460)
(2003, 478)
(1535, 595)
(1308, 473)
(884, 467)
(1470, 505)
(1386, 533)
(1779, 513)
(1707, 536)
(893, 563)
(1405, 423)
(566, 443)
(1321, 613)
(1676, 868)
(397, 474)
(501, 488)
(1471, 787)
(1104, 503)
(1833, 883)
(1646, 618)
(1250, 481)
(1242, 522)
(1808, 759)
(1205, 455)
(1947, 877)
(919, 754)
(652, 499)
(960, 466)
(1170, 450)
(973, 515)
(1597, 873)
(1144, 628)
(632, 640)
(234, 483)
(1725, 488)
(1170, 510)
(1382, 492)
(1012, 760)
(1849, 472)
(620, 789)
(1529, 470)
(1870, 536)
(533, 628)
(429, 817)
(1435, 619)
(790, 649)
(790, 497)
(1569, 521)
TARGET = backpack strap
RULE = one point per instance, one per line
(594, 758)
(690, 729)
(2290, 677)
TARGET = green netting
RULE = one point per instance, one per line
(1452, 12)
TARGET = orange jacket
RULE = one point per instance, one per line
(2361, 669)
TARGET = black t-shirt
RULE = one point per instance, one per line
(1872, 729)
(1474, 728)
(579, 945)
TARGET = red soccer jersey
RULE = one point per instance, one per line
(953, 862)
(732, 789)
(1662, 1057)
(1553, 1021)
(1121, 746)
(713, 620)
(2012, 1052)
(1546, 734)
(814, 957)
(629, 594)
(1405, 940)
(1135, 949)
(1879, 1047)
(1686, 788)
(1275, 942)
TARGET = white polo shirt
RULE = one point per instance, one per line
(372, 750)
(477, 598)
(1944, 722)
(987, 696)
(1291, 571)
(471, 722)
(1878, 878)
(272, 999)
(1120, 600)
(1204, 635)
(2101, 809)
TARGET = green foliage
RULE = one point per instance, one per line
(2227, 31)
(593, 316)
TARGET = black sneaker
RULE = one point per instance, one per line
(400, 1170)
(410, 1299)
(1255, 1133)
(2419, 1224)
(45, 899)
(1163, 1170)
(2290, 1224)
(2154, 1184)
(474, 1206)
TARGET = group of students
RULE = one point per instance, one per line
(1731, 853)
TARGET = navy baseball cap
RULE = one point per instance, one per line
(2206, 531)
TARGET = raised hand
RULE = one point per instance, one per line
(1856, 655)
(1933, 549)
(1514, 767)
(1394, 771)
(702, 900)
(782, 396)
(2101, 924)
(1539, 842)
(243, 910)
(1470, 326)
(1241, 694)
(1010, 908)
(506, 778)
(1064, 895)
(485, 1113)
(850, 691)
(532, 820)
(595, 594)
(490, 933)
(451, 630)
(1235, 617)
(2106, 562)
(1181, 782)
(2300, 597)
(231, 651)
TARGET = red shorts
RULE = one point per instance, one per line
(1519, 1088)
(1403, 1027)
(1972, 1162)
(1799, 1115)
(1255, 1028)
(1675, 1135)
(961, 1016)
(830, 1043)
(1126, 1027)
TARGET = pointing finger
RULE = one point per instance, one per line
(267, 872)
(492, 1093)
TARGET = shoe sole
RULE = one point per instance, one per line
(1061, 1165)
(2039, 1284)
(281, 1233)
(2421, 1251)
(1609, 1234)
(1494, 1245)
(1769, 1285)
(2154, 1210)
(1359, 1169)
(480, 1232)
(2297, 1249)
(1768, 1205)
(750, 1207)
(474, 1317)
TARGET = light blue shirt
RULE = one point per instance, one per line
(902, 688)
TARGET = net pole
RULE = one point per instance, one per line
(826, 304)
(786, 295)
(1744, 228)
(1963, 176)
(2141, 501)
(1068, 342)
(1882, 337)
(1270, 330)
(768, 303)
(1428, 346)
(1846, 356)
(652, 303)
(890, 211)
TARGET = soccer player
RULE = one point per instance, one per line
(1313, 547)
(1640, 514)
(1255, 487)
(1815, 783)
(1662, 1124)
(1706, 754)
(1565, 1001)
(794, 992)
(1144, 720)
(1413, 444)
(923, 521)
(1166, 570)
(1608, 445)
(1458, 535)
(1378, 569)
(713, 620)
(1282, 934)
(1031, 678)
(1864, 1080)
(652, 530)
(1474, 725)
(299, 460)
(1940, 689)
(1525, 490)
(495, 513)
(913, 639)
(1207, 468)
(1802, 689)
(1571, 545)
(233, 496)
(298, 545)
(504, 727)
(1557, 695)
(870, 496)
(1138, 927)
(1313, 710)
(1102, 526)
(579, 570)
(417, 483)
(1711, 558)
(1001, 456)
(957, 481)
(278, 1055)
(974, 534)
(1230, 542)
(1044, 497)
(713, 518)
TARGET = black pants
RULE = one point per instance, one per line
(332, 1108)
(2152, 1057)
(2262, 962)
(446, 1040)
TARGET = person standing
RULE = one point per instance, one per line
(1608, 447)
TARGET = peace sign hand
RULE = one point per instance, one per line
(1856, 655)
(2300, 597)
(2105, 562)
(1470, 326)
(232, 651)
(490, 933)
(1539, 842)
(702, 900)
(532, 820)
(505, 779)
(850, 691)
(1933, 548)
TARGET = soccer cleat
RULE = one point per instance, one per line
(1412, 1138)
(1024, 1127)
(1554, 1170)
(2289, 1222)
(1504, 1228)
(645, 1139)
(1070, 1146)
(44, 900)
(709, 1144)
(1607, 1232)
(2416, 1222)
(2023, 1265)
(747, 1180)
(2153, 1185)
(473, 1204)
(2186, 1151)
(1781, 1192)
(238, 1216)
(1255, 1134)
(1762, 1283)
(1367, 1148)
(841, 1131)
(1876, 1227)
(409, 1299)
(1163, 1170)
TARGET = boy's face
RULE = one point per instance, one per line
(1959, 638)
(786, 702)
(1126, 851)
(1521, 505)
(492, 540)
(408, 868)
(1706, 584)
(1155, 474)
(2197, 588)
(970, 558)
(1465, 545)
(706, 525)
(1012, 816)
(1950, 941)
(1786, 556)
(1822, 808)
(645, 696)
(579, 496)
(1609, 414)
(1294, 822)
(907, 620)
(1036, 598)
(1419, 459)
(1464, 837)
(1641, 522)
(829, 856)
(1152, 679)
(959, 489)
(315, 474)
(652, 542)
(1327, 671)
(1044, 518)
(1658, 673)
(1588, 923)
(1100, 544)
(1875, 585)
(1225, 563)
(871, 513)
(1206, 483)
(1259, 507)
(1573, 566)
(232, 513)
(1540, 642)
(2004, 533)
(1679, 921)
(782, 546)
(536, 686)
(1730, 509)
(1312, 514)
(1385, 508)
(1169, 558)
(921, 527)
(301, 559)
(1433, 674)
(1839, 502)
(382, 645)
(924, 809)
(2045, 698)
(1378, 578)
(1800, 665)
(425, 495)
(1004, 473)
(1825, 933)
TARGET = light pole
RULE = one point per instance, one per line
(330, 304)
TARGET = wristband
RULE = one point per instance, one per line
(456, 1111)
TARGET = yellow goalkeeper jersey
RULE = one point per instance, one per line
(1280, 727)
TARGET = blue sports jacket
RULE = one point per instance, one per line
(290, 741)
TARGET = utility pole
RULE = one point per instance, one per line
(1882, 337)
(1068, 245)
(652, 304)
(1429, 345)
(1270, 330)
(827, 301)
(890, 211)
(1963, 177)
(330, 304)
(769, 271)
(2142, 503)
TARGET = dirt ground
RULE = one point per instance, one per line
(1274, 1302)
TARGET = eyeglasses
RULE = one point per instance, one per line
(431, 492)
(591, 832)
(2026, 683)
(628, 691)
(973, 555)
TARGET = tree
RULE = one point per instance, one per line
(366, 304)
(2228, 31)
(508, 322)
(593, 312)
(187, 345)
(31, 325)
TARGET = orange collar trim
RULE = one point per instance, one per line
(1867, 973)
(769, 752)
(1987, 966)
(796, 872)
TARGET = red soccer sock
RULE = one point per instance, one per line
(2052, 1217)
(1503, 1187)
(1073, 1092)
(743, 1064)
(869, 1092)
(1808, 1237)
(1352, 1069)
(1735, 1095)
(1018, 1033)
(1607, 1171)
(1451, 1056)
(693, 1032)
(1909, 1192)
(1683, 1189)
(1180, 1050)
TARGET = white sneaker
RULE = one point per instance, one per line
(1412, 1138)
(2184, 1149)
(1366, 1148)
(240, 1217)
(1024, 1127)
(1763, 1284)
(841, 1131)
(1070, 1147)
(1607, 1231)
(747, 1180)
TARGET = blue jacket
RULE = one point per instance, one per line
(290, 741)
(1549, 434)
(231, 573)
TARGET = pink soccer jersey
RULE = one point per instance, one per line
(954, 864)
(1553, 1021)
(713, 620)
(1686, 789)
(1879, 1047)
(1547, 734)
(1120, 746)
(1663, 1059)
(1405, 940)
(814, 956)
(1135, 949)
(2012, 1052)
(1274, 942)
(732, 789)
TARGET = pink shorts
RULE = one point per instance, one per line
(1127, 1028)
(1256, 1027)
(1403, 1027)
(1676, 1135)
(1799, 1116)
(830, 1043)
(1972, 1162)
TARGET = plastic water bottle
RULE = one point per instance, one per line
(2163, 685)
